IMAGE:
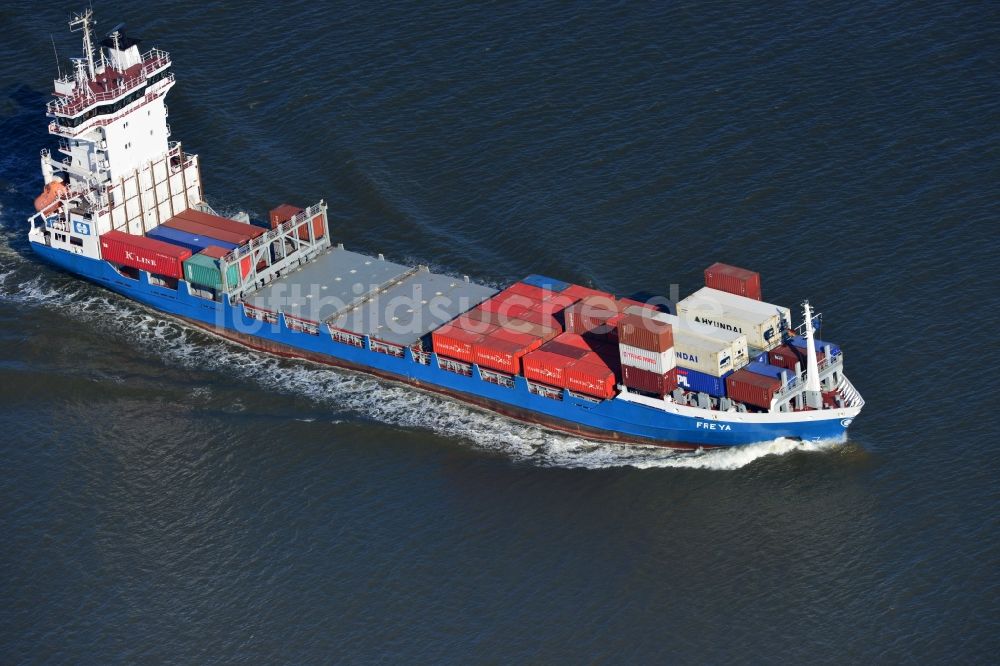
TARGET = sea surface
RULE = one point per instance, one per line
(167, 497)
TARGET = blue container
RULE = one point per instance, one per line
(767, 370)
(692, 380)
(183, 239)
(799, 341)
(760, 358)
(543, 282)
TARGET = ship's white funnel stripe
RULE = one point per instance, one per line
(363, 395)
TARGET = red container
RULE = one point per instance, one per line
(734, 280)
(223, 223)
(528, 291)
(558, 302)
(574, 340)
(216, 252)
(542, 332)
(503, 349)
(504, 302)
(453, 342)
(648, 381)
(479, 314)
(196, 229)
(786, 355)
(584, 318)
(472, 324)
(546, 367)
(529, 341)
(590, 378)
(534, 317)
(751, 388)
(285, 212)
(144, 253)
(645, 333)
(563, 349)
(579, 293)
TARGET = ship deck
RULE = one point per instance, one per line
(370, 296)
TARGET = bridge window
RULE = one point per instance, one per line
(76, 241)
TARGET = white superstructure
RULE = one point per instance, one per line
(119, 169)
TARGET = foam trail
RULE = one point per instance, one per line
(338, 391)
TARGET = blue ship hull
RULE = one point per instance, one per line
(609, 420)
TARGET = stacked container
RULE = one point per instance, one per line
(204, 268)
(502, 349)
(647, 355)
(285, 212)
(146, 254)
(596, 315)
(761, 323)
(222, 223)
(752, 389)
(546, 283)
(799, 342)
(191, 241)
(454, 342)
(568, 362)
(701, 382)
(198, 229)
(786, 356)
(733, 280)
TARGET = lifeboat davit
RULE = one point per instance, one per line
(50, 195)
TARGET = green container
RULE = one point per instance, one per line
(204, 271)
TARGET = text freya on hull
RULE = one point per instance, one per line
(125, 209)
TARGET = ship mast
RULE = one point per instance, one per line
(814, 398)
(84, 21)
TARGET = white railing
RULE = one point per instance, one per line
(797, 383)
(421, 357)
(260, 314)
(498, 378)
(545, 391)
(96, 121)
(387, 348)
(301, 325)
(347, 338)
(457, 367)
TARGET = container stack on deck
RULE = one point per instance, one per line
(571, 337)
(734, 280)
(647, 354)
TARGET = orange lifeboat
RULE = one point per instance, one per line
(49, 195)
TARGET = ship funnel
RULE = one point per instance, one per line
(814, 398)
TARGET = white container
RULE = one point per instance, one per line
(658, 362)
(712, 358)
(687, 334)
(760, 322)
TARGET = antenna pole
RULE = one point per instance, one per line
(56, 52)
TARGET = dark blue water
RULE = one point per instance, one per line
(167, 497)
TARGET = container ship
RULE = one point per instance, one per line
(124, 208)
